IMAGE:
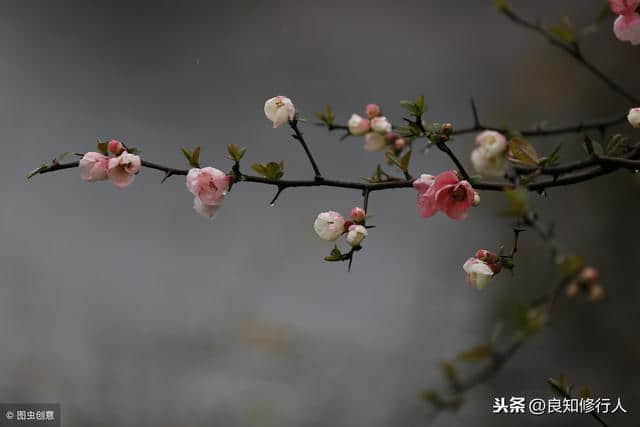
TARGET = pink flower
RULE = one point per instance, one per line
(122, 169)
(329, 225)
(446, 193)
(209, 186)
(93, 167)
(358, 125)
(115, 147)
(358, 215)
(627, 26)
(280, 110)
(373, 110)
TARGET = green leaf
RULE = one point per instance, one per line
(502, 5)
(36, 171)
(585, 393)
(605, 12)
(616, 145)
(134, 150)
(518, 202)
(327, 116)
(565, 32)
(592, 147)
(560, 386)
(522, 152)
(405, 160)
(62, 156)
(569, 264)
(195, 156)
(449, 371)
(103, 147)
(476, 354)
(334, 255)
(552, 159)
(188, 154)
(236, 153)
(272, 170)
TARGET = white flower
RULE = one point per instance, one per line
(374, 142)
(479, 273)
(280, 110)
(380, 125)
(329, 225)
(358, 125)
(634, 117)
(489, 157)
(356, 234)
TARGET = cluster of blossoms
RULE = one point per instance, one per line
(588, 281)
(481, 268)
(120, 169)
(490, 155)
(331, 225)
(209, 187)
(376, 130)
(627, 26)
(445, 192)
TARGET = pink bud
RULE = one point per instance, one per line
(358, 215)
(373, 110)
(399, 144)
(115, 147)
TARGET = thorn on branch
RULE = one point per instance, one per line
(167, 175)
(476, 119)
(280, 190)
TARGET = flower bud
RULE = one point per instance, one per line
(572, 289)
(476, 199)
(479, 273)
(399, 144)
(280, 110)
(374, 142)
(356, 234)
(358, 215)
(634, 117)
(373, 110)
(489, 156)
(381, 125)
(447, 129)
(596, 293)
(358, 125)
(329, 225)
(115, 147)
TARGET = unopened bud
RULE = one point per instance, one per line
(634, 117)
(358, 215)
(399, 144)
(115, 147)
(476, 199)
(373, 110)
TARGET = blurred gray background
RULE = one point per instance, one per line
(129, 309)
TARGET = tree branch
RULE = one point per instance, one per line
(573, 51)
(298, 136)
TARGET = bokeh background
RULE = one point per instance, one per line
(129, 309)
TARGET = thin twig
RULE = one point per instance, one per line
(298, 136)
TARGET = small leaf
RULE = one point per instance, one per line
(405, 160)
(236, 153)
(134, 150)
(592, 147)
(565, 32)
(259, 168)
(449, 371)
(616, 145)
(476, 354)
(103, 147)
(62, 156)
(334, 255)
(520, 151)
(36, 171)
(552, 159)
(502, 5)
(585, 393)
(195, 156)
(569, 264)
